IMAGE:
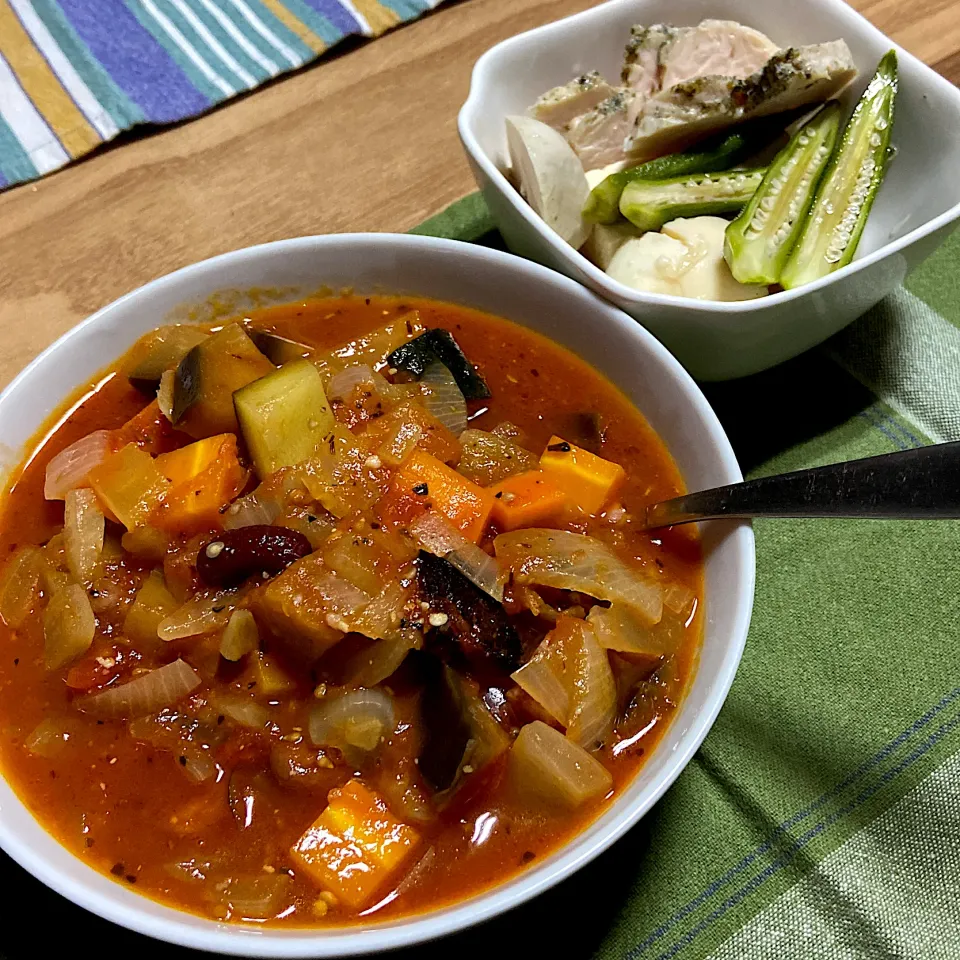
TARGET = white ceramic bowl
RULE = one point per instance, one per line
(916, 209)
(476, 277)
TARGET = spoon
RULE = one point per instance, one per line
(920, 484)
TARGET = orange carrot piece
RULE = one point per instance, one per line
(203, 477)
(150, 430)
(356, 846)
(528, 499)
(423, 483)
(589, 481)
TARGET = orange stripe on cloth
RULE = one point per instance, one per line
(41, 85)
(381, 18)
(295, 26)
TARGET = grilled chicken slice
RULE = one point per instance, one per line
(643, 63)
(715, 48)
(598, 135)
(689, 111)
(557, 107)
(660, 56)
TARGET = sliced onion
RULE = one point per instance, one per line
(342, 601)
(573, 561)
(198, 766)
(593, 707)
(260, 897)
(197, 617)
(68, 626)
(381, 659)
(248, 713)
(49, 737)
(546, 769)
(617, 628)
(381, 618)
(444, 400)
(488, 458)
(252, 510)
(71, 466)
(547, 675)
(679, 598)
(435, 535)
(147, 694)
(343, 383)
(19, 584)
(359, 719)
(83, 529)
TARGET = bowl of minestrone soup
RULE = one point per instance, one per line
(326, 600)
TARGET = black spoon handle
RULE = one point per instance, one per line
(920, 484)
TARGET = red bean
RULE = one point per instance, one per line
(237, 554)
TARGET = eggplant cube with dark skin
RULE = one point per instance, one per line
(478, 624)
(438, 344)
(207, 377)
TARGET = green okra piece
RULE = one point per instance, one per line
(720, 153)
(836, 219)
(759, 241)
(649, 204)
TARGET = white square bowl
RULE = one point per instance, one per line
(917, 207)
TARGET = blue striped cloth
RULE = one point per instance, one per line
(75, 73)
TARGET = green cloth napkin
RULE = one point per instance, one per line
(821, 818)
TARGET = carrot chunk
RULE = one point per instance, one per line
(423, 483)
(528, 499)
(203, 477)
(356, 847)
(150, 430)
(589, 481)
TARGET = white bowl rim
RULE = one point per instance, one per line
(620, 292)
(238, 940)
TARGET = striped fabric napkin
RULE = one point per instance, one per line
(75, 73)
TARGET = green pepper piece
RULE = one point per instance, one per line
(649, 204)
(758, 243)
(839, 213)
(720, 153)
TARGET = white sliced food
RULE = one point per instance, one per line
(715, 48)
(693, 109)
(550, 176)
(605, 240)
(707, 276)
(557, 107)
(659, 56)
(685, 260)
(598, 135)
(653, 262)
(597, 176)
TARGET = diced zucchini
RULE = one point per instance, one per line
(159, 351)
(758, 243)
(207, 378)
(649, 204)
(284, 416)
(277, 349)
(839, 213)
(438, 344)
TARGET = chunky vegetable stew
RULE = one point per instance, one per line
(338, 610)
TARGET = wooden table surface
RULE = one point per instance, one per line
(363, 140)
